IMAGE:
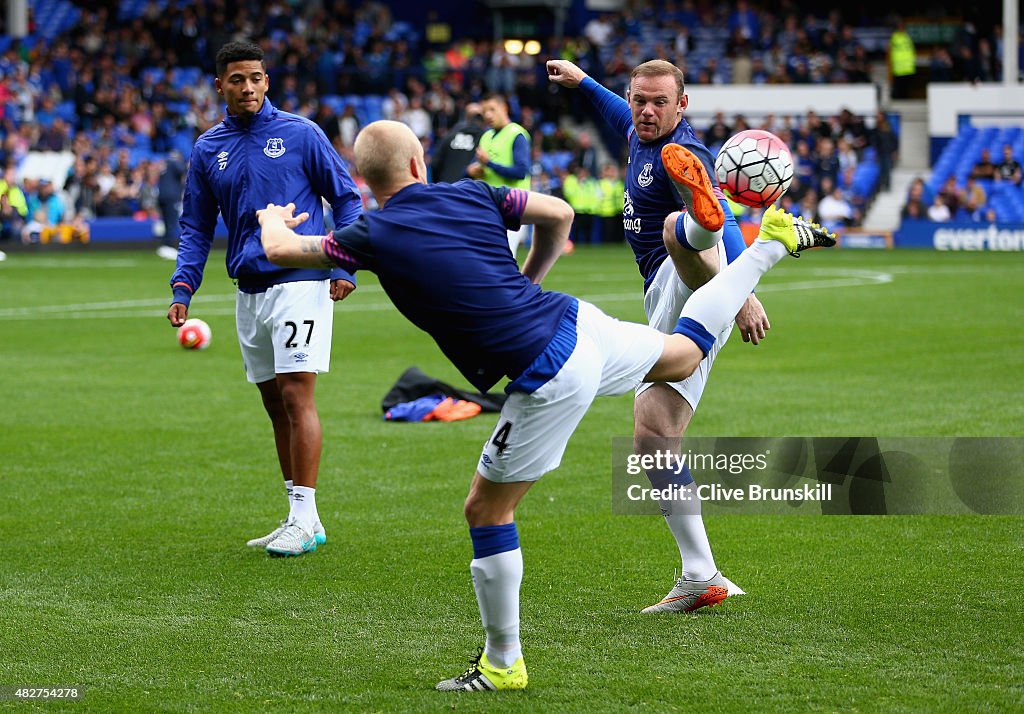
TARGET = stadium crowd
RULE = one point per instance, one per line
(123, 89)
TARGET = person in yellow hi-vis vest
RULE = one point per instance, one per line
(503, 156)
(902, 61)
(13, 208)
(579, 190)
(611, 189)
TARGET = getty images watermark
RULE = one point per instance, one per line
(667, 469)
(819, 475)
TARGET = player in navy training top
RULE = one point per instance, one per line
(442, 256)
(676, 253)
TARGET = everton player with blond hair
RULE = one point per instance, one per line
(495, 321)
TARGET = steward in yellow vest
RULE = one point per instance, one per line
(503, 155)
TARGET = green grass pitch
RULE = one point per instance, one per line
(134, 471)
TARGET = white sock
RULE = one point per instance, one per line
(288, 484)
(496, 580)
(304, 507)
(716, 303)
(692, 541)
(699, 237)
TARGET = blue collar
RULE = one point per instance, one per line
(267, 112)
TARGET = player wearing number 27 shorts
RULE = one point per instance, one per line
(255, 155)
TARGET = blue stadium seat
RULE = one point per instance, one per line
(999, 189)
(373, 107)
(401, 30)
(155, 74)
(183, 142)
(66, 111)
(137, 155)
(562, 159)
(865, 180)
(186, 76)
(139, 6)
(52, 17)
(1008, 135)
(12, 111)
(334, 101)
(179, 108)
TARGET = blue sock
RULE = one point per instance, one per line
(662, 478)
(491, 540)
(665, 479)
(713, 307)
(688, 327)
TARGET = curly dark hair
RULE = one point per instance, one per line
(237, 52)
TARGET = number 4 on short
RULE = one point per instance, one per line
(290, 342)
(501, 436)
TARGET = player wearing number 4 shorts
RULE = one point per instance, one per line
(559, 352)
(284, 316)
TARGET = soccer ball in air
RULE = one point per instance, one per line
(194, 334)
(754, 167)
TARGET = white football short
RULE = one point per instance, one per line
(518, 237)
(610, 358)
(663, 302)
(287, 328)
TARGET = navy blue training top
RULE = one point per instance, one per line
(441, 253)
(649, 194)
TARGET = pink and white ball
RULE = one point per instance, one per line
(755, 167)
(194, 334)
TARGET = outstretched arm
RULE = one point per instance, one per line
(613, 108)
(552, 220)
(284, 246)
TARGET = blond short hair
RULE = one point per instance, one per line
(659, 68)
(383, 150)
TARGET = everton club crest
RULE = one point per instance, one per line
(274, 148)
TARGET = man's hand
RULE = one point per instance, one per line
(475, 171)
(482, 157)
(285, 213)
(177, 314)
(752, 320)
(565, 73)
(341, 289)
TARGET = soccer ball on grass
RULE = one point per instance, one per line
(754, 167)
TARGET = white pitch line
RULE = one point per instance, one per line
(76, 263)
(15, 312)
(860, 279)
(198, 303)
(214, 304)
